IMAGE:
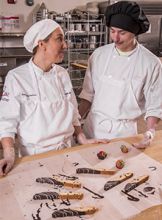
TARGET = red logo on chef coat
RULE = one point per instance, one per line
(5, 96)
(11, 1)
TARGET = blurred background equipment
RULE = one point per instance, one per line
(42, 12)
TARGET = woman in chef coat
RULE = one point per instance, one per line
(38, 104)
(123, 80)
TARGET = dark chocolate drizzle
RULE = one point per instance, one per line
(53, 204)
(148, 189)
(94, 193)
(49, 180)
(75, 164)
(4, 168)
(153, 192)
(96, 197)
(67, 212)
(141, 193)
(37, 217)
(87, 170)
(130, 197)
(41, 165)
(153, 168)
(47, 205)
(134, 199)
(46, 195)
(65, 202)
(111, 184)
(130, 186)
(69, 177)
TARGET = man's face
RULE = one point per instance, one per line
(55, 46)
(124, 40)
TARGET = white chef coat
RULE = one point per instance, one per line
(39, 107)
(121, 88)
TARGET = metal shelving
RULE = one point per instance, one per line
(83, 36)
(11, 34)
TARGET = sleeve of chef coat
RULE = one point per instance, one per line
(153, 91)
(9, 108)
(88, 90)
(77, 117)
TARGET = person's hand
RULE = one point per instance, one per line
(81, 138)
(7, 162)
(147, 139)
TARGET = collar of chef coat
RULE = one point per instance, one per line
(48, 76)
(39, 71)
(127, 54)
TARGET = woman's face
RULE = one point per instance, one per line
(124, 40)
(55, 46)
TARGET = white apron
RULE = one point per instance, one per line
(114, 109)
(49, 123)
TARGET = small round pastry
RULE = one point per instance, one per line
(101, 155)
(124, 148)
(120, 164)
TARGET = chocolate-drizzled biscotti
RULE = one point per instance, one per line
(68, 183)
(95, 171)
(135, 182)
(74, 212)
(55, 195)
(49, 180)
(58, 181)
(112, 183)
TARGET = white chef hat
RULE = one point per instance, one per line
(39, 31)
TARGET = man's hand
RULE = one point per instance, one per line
(147, 139)
(81, 138)
(7, 162)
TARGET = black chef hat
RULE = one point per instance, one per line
(127, 16)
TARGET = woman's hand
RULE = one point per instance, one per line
(7, 163)
(147, 139)
(81, 138)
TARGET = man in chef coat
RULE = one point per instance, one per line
(38, 103)
(123, 80)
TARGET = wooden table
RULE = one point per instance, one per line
(154, 151)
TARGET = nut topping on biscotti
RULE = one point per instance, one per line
(68, 183)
